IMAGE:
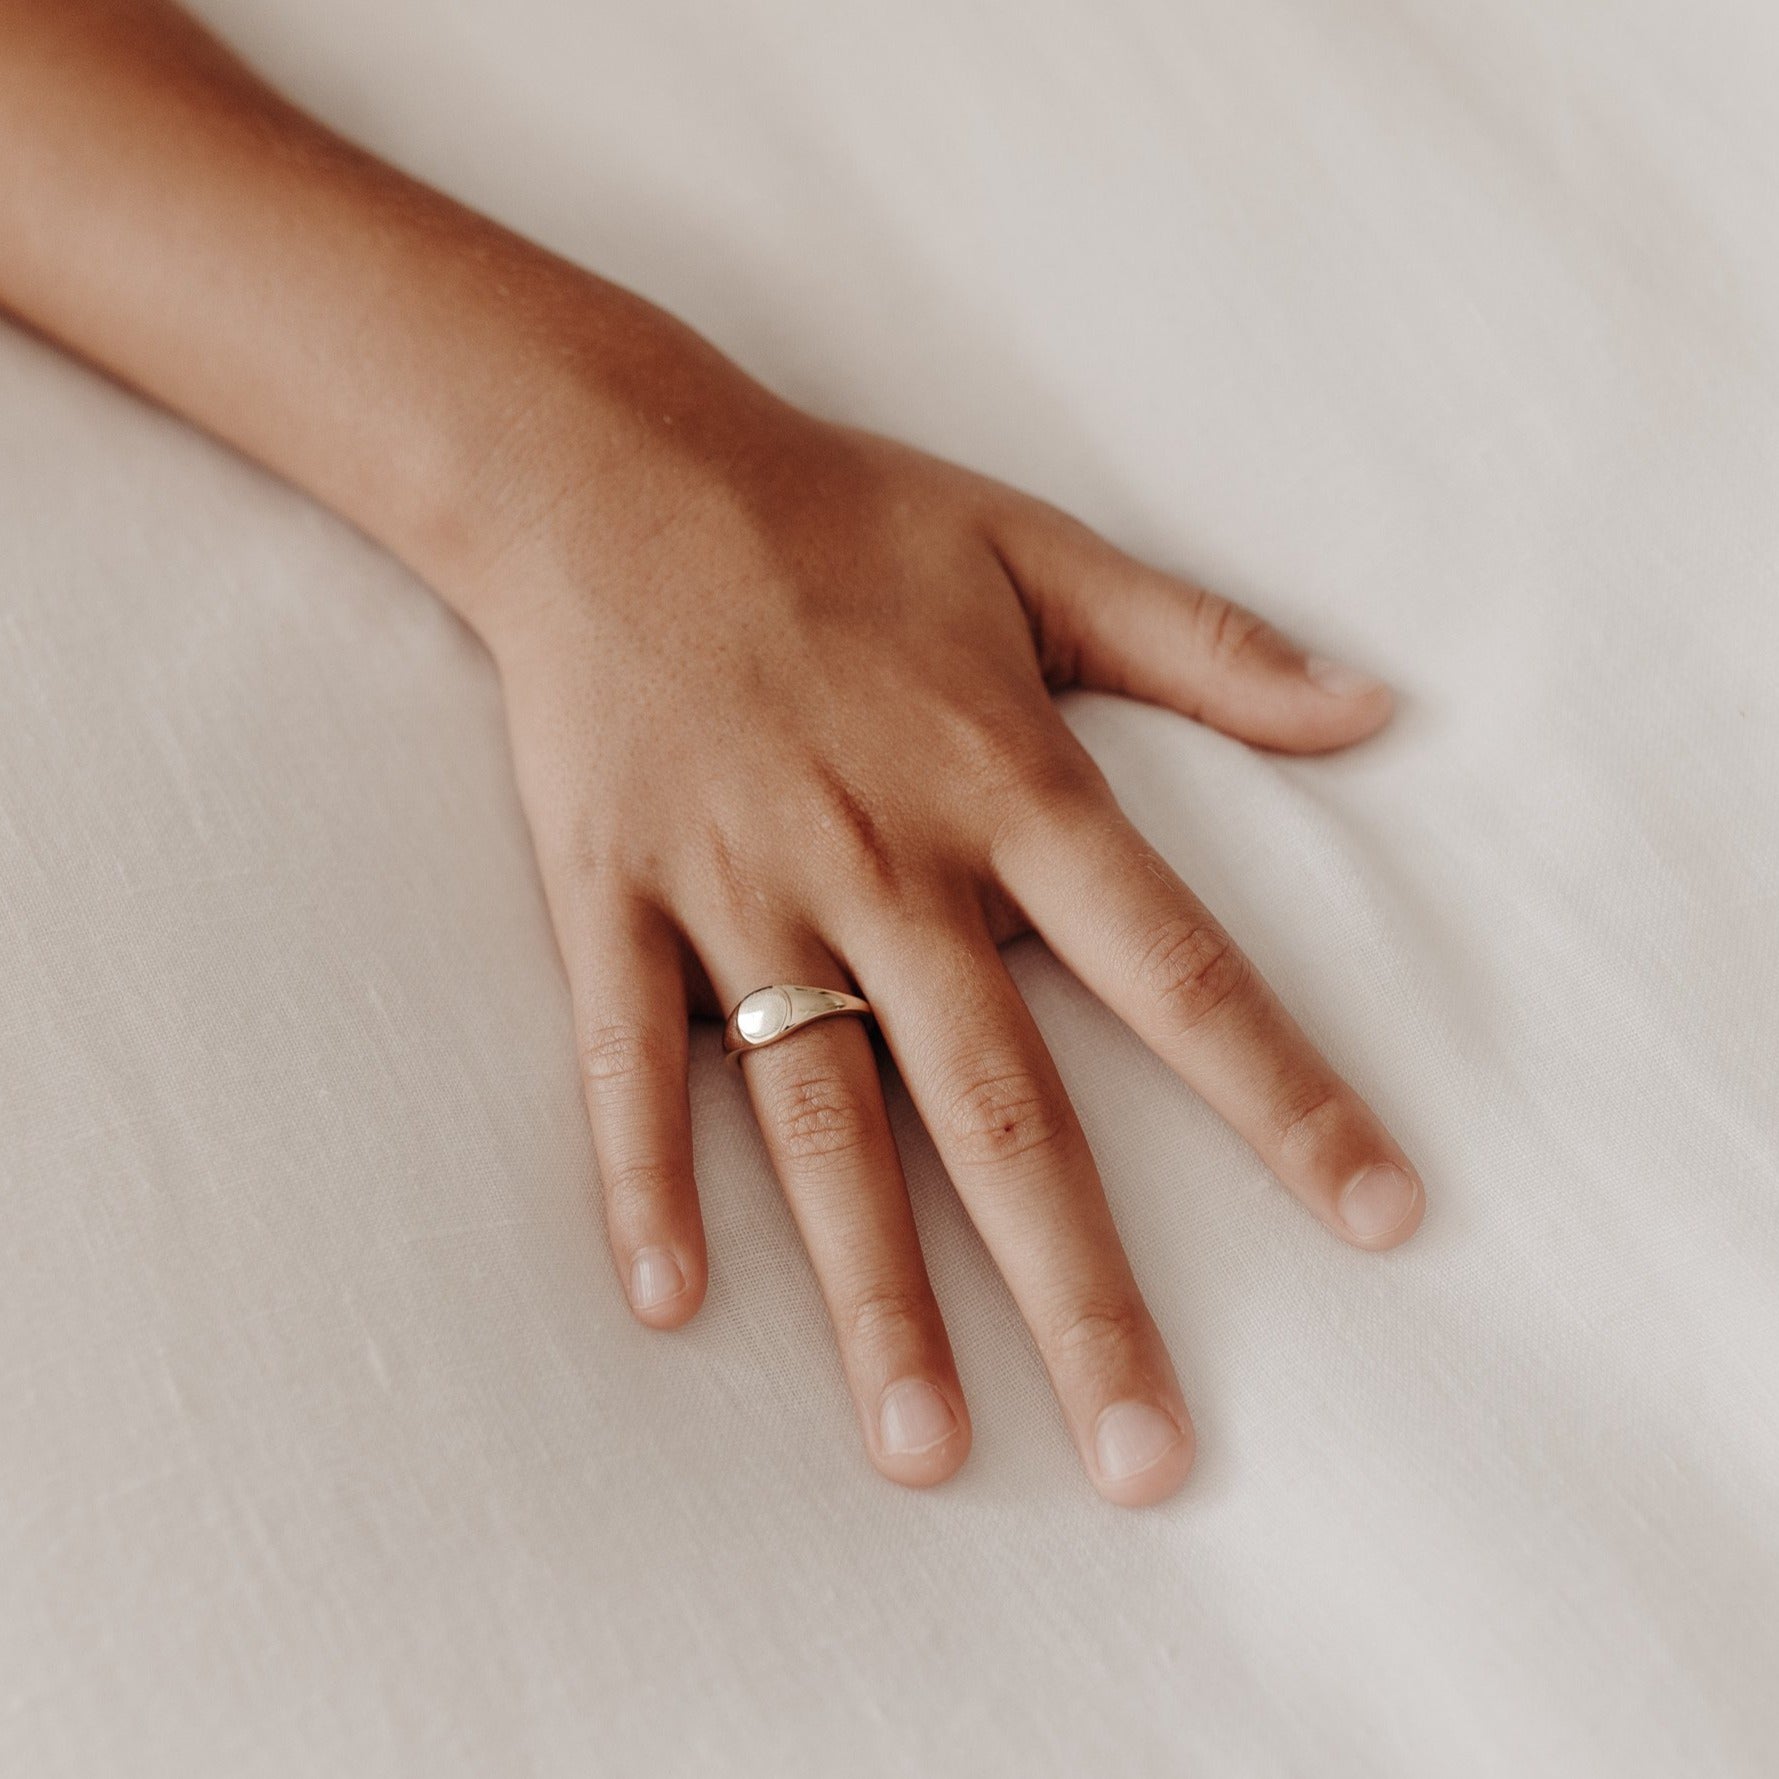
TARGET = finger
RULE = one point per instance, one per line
(990, 1095)
(1108, 621)
(1113, 910)
(820, 1107)
(627, 980)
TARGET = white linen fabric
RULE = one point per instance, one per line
(1448, 335)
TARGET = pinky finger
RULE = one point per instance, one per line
(627, 978)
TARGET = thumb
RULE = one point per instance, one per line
(1104, 620)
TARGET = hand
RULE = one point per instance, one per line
(779, 699)
(779, 703)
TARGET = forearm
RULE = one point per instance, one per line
(166, 215)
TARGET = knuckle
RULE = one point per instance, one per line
(1303, 1115)
(1000, 751)
(1031, 781)
(1190, 967)
(1099, 1334)
(1229, 631)
(635, 1189)
(851, 835)
(815, 1115)
(580, 852)
(1006, 1113)
(617, 1053)
(883, 1315)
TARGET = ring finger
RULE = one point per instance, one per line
(820, 1107)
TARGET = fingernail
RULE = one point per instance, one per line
(1130, 1437)
(914, 1417)
(1377, 1201)
(1339, 680)
(654, 1278)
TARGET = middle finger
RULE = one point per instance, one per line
(989, 1094)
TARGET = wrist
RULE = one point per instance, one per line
(602, 421)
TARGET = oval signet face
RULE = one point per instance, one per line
(764, 1014)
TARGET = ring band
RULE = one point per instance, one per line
(774, 1012)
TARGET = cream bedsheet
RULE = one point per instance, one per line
(1446, 333)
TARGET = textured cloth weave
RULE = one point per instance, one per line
(1447, 335)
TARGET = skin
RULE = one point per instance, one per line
(779, 700)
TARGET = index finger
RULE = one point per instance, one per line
(1120, 917)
